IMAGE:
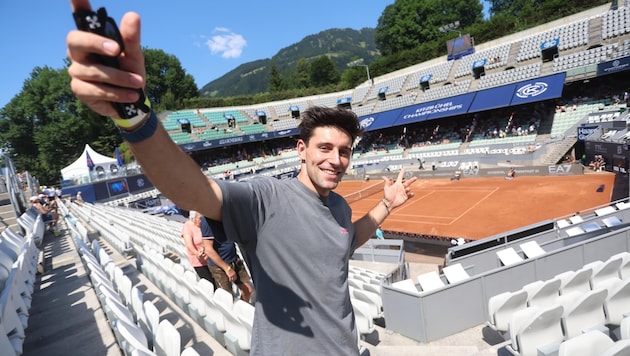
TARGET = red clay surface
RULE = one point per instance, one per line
(474, 208)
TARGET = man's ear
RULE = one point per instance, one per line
(301, 148)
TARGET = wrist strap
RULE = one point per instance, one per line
(386, 205)
(141, 133)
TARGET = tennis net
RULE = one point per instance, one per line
(365, 192)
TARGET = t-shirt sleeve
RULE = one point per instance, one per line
(213, 230)
(242, 209)
(185, 230)
(206, 230)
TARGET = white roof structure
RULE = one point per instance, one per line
(80, 167)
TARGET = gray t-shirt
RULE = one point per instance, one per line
(297, 245)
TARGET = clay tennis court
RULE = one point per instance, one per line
(475, 208)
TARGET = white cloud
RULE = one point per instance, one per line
(227, 43)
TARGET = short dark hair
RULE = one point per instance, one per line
(321, 116)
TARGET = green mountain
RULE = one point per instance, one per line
(340, 45)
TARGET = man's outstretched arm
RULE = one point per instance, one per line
(168, 167)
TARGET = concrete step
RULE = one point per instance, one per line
(4, 199)
(7, 216)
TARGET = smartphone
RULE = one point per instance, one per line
(101, 24)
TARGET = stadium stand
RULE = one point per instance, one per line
(414, 312)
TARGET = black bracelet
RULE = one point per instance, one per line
(146, 130)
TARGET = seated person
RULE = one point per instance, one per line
(48, 214)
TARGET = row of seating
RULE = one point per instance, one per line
(509, 256)
(228, 321)
(596, 342)
(365, 295)
(542, 314)
(177, 280)
(601, 218)
(18, 268)
(133, 228)
(135, 322)
(430, 281)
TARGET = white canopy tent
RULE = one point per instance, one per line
(79, 168)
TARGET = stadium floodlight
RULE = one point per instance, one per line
(451, 27)
(359, 63)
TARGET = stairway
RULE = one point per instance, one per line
(7, 215)
(557, 150)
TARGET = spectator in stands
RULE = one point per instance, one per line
(597, 163)
(48, 214)
(223, 261)
(191, 232)
(79, 198)
(297, 233)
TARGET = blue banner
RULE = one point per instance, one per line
(236, 140)
(379, 120)
(436, 109)
(550, 43)
(614, 66)
(344, 100)
(492, 98)
(426, 78)
(285, 133)
(479, 63)
(539, 89)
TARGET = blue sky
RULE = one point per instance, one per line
(210, 38)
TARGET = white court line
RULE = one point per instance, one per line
(474, 205)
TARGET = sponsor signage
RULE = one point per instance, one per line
(549, 87)
(585, 131)
(479, 63)
(614, 66)
(344, 100)
(436, 109)
(560, 169)
(235, 140)
(550, 43)
(379, 120)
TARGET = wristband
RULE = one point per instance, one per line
(386, 204)
(139, 134)
(132, 113)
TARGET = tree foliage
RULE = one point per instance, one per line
(167, 79)
(276, 84)
(45, 126)
(407, 24)
(322, 72)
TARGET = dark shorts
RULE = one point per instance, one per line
(221, 279)
(204, 272)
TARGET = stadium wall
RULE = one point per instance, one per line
(432, 315)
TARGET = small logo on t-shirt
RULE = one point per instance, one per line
(344, 230)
